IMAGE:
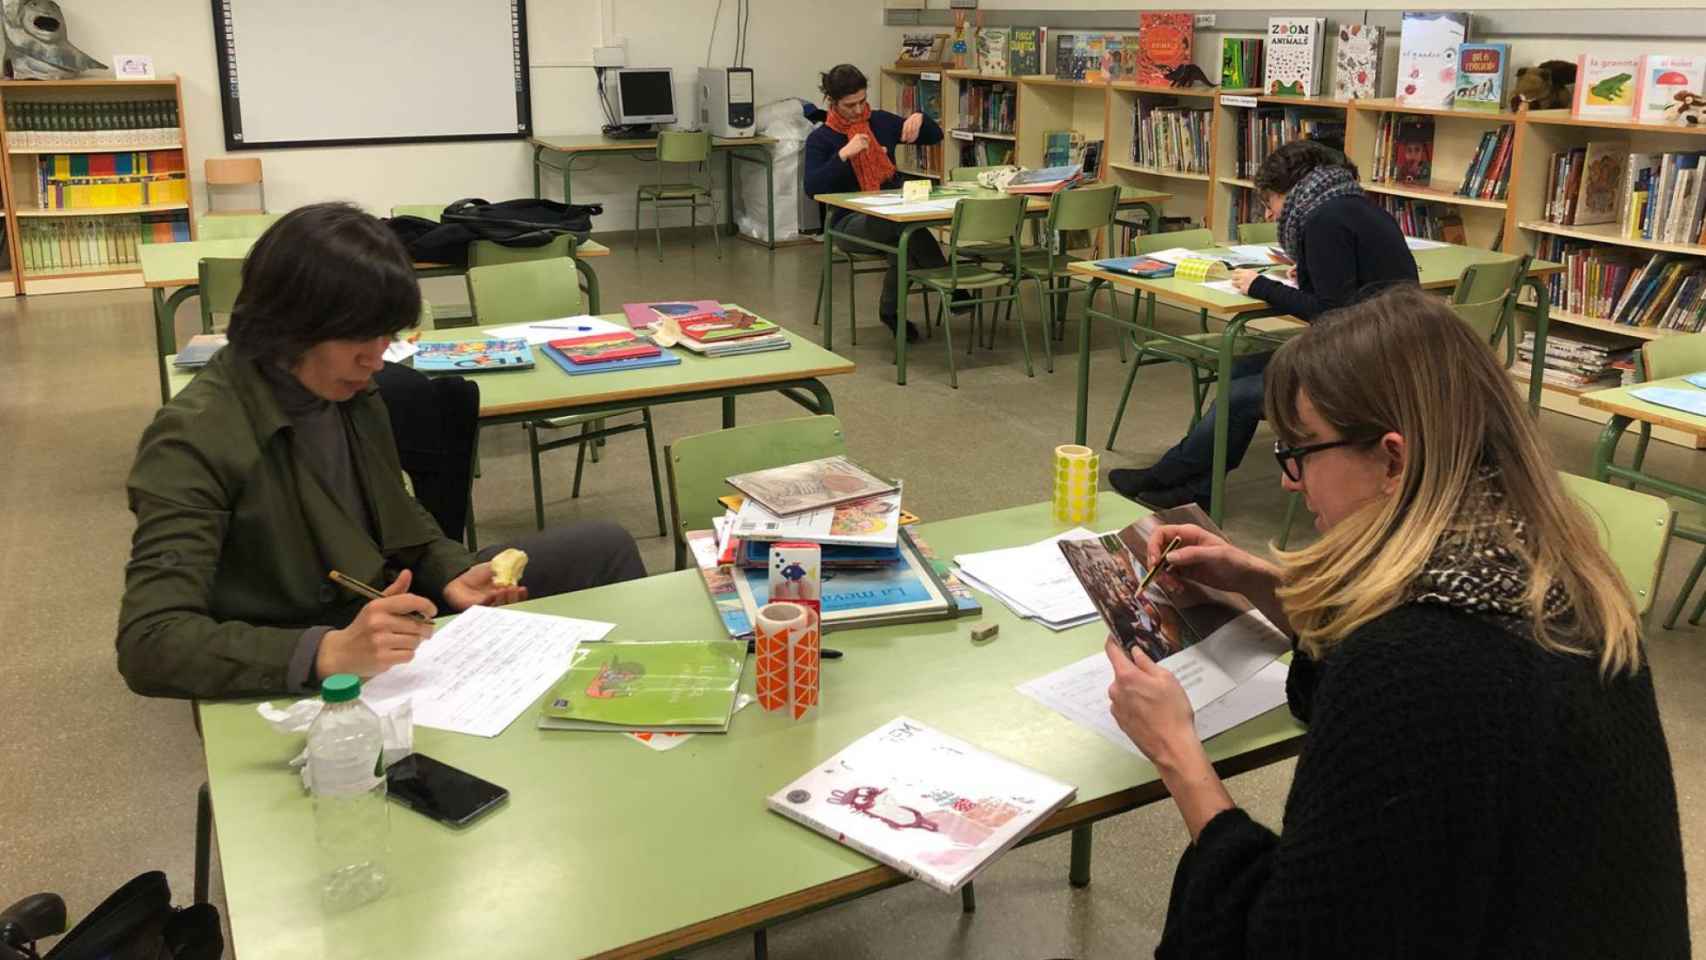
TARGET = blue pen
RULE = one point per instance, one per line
(552, 326)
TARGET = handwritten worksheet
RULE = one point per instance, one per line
(479, 673)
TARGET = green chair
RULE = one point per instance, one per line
(486, 253)
(1677, 356)
(678, 147)
(218, 281)
(975, 250)
(1087, 209)
(234, 226)
(426, 211)
(978, 220)
(1634, 528)
(699, 464)
(858, 262)
(1486, 298)
(1262, 231)
(536, 290)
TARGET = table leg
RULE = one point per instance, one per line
(1222, 389)
(1079, 875)
(729, 178)
(728, 412)
(829, 284)
(968, 899)
(1606, 451)
(1083, 428)
(592, 305)
(770, 194)
(537, 152)
(761, 944)
(1542, 319)
(900, 304)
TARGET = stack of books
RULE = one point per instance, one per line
(881, 574)
(84, 124)
(1581, 359)
(1170, 138)
(723, 332)
(1489, 171)
(607, 353)
(1664, 198)
(987, 107)
(473, 356)
(1046, 180)
(921, 96)
(1663, 291)
(1266, 129)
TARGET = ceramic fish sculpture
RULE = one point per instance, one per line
(36, 45)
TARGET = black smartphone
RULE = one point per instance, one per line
(441, 791)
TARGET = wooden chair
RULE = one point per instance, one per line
(1262, 231)
(234, 226)
(679, 147)
(699, 464)
(978, 220)
(534, 290)
(233, 173)
(1677, 356)
(1086, 209)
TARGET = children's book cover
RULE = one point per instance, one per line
(1024, 51)
(932, 806)
(1356, 61)
(1427, 56)
(681, 686)
(473, 356)
(1605, 87)
(893, 593)
(992, 50)
(644, 316)
(1661, 78)
(812, 485)
(1413, 151)
(1164, 42)
(1483, 71)
(1293, 56)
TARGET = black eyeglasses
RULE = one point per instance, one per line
(1291, 458)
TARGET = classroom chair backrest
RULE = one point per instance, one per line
(484, 253)
(426, 211)
(1263, 231)
(1198, 239)
(1674, 356)
(219, 279)
(526, 292)
(234, 226)
(1633, 527)
(1485, 298)
(1083, 208)
(680, 146)
(699, 464)
(235, 172)
(987, 220)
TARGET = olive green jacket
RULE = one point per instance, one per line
(235, 536)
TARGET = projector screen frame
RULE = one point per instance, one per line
(230, 98)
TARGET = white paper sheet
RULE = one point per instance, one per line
(1079, 692)
(1173, 255)
(562, 328)
(877, 200)
(478, 674)
(399, 350)
(1254, 251)
(945, 205)
(1033, 580)
(1226, 287)
(1417, 243)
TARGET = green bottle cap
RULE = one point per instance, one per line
(340, 688)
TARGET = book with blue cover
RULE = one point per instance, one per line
(664, 359)
(473, 356)
(903, 592)
(1148, 268)
(755, 555)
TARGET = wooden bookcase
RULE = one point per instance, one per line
(1193, 190)
(895, 80)
(1230, 105)
(960, 130)
(1047, 104)
(18, 175)
(1457, 134)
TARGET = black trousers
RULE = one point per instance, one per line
(922, 251)
(575, 556)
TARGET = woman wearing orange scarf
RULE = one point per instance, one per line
(854, 151)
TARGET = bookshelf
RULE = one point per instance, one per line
(90, 170)
(1241, 115)
(1047, 105)
(1188, 175)
(1456, 136)
(972, 139)
(906, 90)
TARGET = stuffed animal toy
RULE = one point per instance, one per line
(1188, 75)
(1688, 107)
(1548, 86)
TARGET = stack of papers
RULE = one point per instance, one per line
(1034, 581)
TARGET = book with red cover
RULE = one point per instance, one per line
(728, 324)
(644, 316)
(1164, 42)
(605, 347)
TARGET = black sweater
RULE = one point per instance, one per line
(826, 172)
(1349, 248)
(1461, 793)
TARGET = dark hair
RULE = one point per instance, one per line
(327, 271)
(1292, 162)
(842, 80)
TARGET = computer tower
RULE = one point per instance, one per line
(726, 101)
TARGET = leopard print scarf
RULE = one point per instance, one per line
(1475, 569)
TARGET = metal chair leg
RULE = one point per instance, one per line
(203, 842)
(761, 944)
(1079, 874)
(968, 899)
(580, 462)
(948, 335)
(1024, 338)
(1125, 396)
(693, 226)
(652, 453)
(639, 204)
(1687, 588)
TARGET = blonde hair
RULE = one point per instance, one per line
(1403, 362)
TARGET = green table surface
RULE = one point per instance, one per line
(175, 264)
(606, 846)
(585, 142)
(1129, 197)
(546, 389)
(1620, 401)
(1438, 268)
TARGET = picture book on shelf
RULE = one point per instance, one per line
(921, 49)
(811, 485)
(1413, 150)
(1427, 56)
(1601, 177)
(1661, 78)
(992, 53)
(1164, 42)
(1065, 45)
(1094, 59)
(1240, 63)
(473, 356)
(1483, 73)
(662, 686)
(1025, 51)
(1293, 66)
(962, 45)
(933, 807)
(1605, 87)
(1131, 49)
(1357, 60)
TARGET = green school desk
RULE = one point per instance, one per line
(519, 396)
(1145, 201)
(174, 267)
(558, 155)
(609, 849)
(1626, 409)
(1439, 269)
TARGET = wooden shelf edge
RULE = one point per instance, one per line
(35, 212)
(1391, 105)
(169, 80)
(1561, 118)
(1591, 234)
(129, 148)
(1432, 193)
(67, 273)
(1156, 171)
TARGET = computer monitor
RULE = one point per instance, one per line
(645, 95)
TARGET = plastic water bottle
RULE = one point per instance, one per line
(351, 819)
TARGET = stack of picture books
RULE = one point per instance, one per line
(1489, 170)
(723, 332)
(1047, 180)
(874, 571)
(607, 353)
(1581, 359)
(1663, 197)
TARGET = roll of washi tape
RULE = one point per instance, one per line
(1075, 470)
(796, 576)
(776, 632)
(1201, 270)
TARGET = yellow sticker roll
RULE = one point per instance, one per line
(1201, 270)
(1075, 483)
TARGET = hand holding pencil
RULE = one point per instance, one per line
(385, 633)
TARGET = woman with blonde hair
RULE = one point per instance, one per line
(1484, 774)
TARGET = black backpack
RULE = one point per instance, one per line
(138, 922)
(513, 223)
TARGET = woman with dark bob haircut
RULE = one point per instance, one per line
(1344, 248)
(276, 464)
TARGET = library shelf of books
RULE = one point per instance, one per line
(908, 90)
(93, 170)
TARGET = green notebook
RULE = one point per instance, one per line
(668, 687)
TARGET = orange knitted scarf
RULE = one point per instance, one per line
(872, 166)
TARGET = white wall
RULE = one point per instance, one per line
(788, 42)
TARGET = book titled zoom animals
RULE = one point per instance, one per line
(665, 687)
(934, 807)
(473, 356)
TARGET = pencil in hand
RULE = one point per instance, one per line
(361, 589)
(1159, 565)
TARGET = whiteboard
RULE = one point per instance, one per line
(297, 73)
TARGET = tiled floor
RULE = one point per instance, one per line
(101, 783)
